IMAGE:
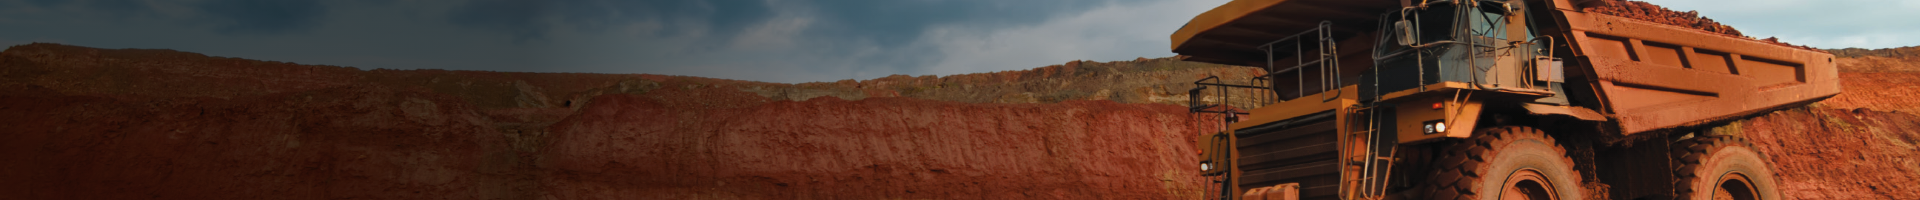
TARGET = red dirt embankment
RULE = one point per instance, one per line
(349, 142)
(1824, 153)
(1879, 79)
(157, 124)
(658, 147)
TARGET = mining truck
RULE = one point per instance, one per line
(1484, 99)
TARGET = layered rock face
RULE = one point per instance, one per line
(122, 124)
(625, 146)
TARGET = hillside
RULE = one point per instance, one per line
(1898, 52)
(1878, 79)
(136, 123)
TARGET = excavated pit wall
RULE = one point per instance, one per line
(1829, 153)
(366, 142)
(156, 124)
(644, 147)
(371, 142)
(349, 142)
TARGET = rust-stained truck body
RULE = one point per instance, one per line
(1654, 76)
(1482, 99)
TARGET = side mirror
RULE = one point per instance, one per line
(1403, 30)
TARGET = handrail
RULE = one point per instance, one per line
(1324, 56)
(1329, 49)
(1194, 99)
(1323, 25)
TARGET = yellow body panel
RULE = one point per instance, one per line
(1214, 149)
(1460, 108)
(1231, 33)
(1219, 16)
(1340, 105)
(1310, 104)
(1459, 116)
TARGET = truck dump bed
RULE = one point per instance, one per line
(1641, 75)
(1649, 76)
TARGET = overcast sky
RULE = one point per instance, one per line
(764, 40)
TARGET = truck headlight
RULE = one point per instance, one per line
(1432, 127)
(1206, 166)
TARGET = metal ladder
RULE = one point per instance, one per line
(1376, 165)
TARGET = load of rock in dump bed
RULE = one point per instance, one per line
(1656, 14)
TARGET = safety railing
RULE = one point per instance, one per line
(1197, 99)
(1314, 49)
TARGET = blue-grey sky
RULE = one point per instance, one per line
(765, 40)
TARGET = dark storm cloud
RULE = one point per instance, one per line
(515, 17)
(895, 22)
(263, 17)
(224, 16)
(121, 8)
(893, 25)
(865, 35)
(767, 40)
(532, 19)
(46, 3)
(117, 9)
(887, 22)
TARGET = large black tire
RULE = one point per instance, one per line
(1722, 167)
(1510, 161)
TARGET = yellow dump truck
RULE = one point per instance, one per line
(1484, 99)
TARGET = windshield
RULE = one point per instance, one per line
(1443, 22)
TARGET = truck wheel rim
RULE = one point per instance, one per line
(1527, 184)
(1734, 186)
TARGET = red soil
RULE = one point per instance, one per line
(659, 147)
(1884, 91)
(1860, 144)
(1839, 153)
(120, 124)
(1880, 79)
(348, 142)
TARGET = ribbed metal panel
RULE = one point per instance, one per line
(1301, 150)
